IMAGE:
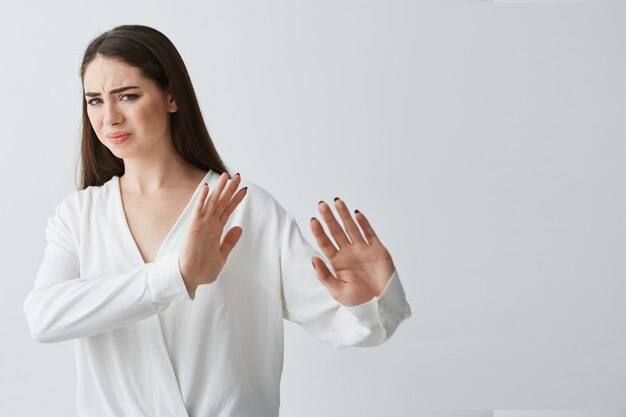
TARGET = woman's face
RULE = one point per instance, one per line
(141, 111)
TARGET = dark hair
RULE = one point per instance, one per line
(156, 57)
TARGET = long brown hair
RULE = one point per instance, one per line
(156, 57)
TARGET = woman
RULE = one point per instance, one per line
(169, 318)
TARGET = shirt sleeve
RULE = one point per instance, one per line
(64, 306)
(307, 302)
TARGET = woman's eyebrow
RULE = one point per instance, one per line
(116, 90)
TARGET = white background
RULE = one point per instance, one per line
(485, 142)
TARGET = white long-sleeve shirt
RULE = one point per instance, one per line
(144, 347)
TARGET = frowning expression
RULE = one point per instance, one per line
(128, 112)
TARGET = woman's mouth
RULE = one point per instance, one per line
(119, 139)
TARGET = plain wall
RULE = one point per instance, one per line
(485, 142)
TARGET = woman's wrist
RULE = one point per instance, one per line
(189, 284)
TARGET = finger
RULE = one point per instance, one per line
(227, 195)
(335, 228)
(234, 202)
(370, 235)
(332, 284)
(326, 245)
(215, 194)
(351, 227)
(199, 204)
(230, 240)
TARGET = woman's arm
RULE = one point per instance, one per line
(309, 303)
(63, 306)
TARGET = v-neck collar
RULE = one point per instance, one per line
(122, 214)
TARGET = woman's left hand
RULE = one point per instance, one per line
(363, 267)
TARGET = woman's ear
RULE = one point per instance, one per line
(171, 103)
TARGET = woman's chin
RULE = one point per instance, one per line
(122, 153)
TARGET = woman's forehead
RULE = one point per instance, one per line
(110, 73)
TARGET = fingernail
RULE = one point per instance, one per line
(236, 174)
(321, 201)
(313, 264)
(336, 198)
(312, 218)
(356, 211)
(245, 188)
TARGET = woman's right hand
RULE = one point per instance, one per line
(202, 256)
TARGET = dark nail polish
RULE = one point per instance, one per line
(313, 264)
(321, 201)
(356, 211)
(336, 198)
(312, 218)
(245, 188)
(237, 174)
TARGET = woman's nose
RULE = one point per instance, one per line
(112, 114)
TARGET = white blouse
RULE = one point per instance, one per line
(144, 347)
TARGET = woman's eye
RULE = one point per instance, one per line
(132, 97)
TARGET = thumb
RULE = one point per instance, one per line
(230, 240)
(325, 276)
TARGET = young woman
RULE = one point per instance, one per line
(168, 317)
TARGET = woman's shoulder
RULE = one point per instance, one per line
(260, 198)
(77, 200)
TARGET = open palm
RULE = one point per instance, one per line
(362, 267)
